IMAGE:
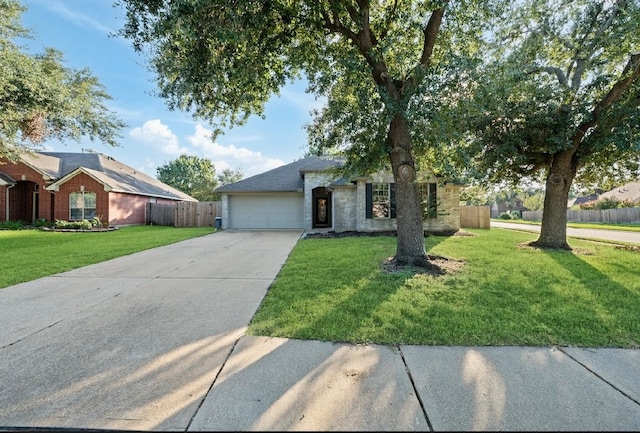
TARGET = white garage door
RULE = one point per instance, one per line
(266, 211)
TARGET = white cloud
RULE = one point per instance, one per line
(250, 162)
(158, 135)
(77, 17)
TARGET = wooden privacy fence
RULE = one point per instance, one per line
(475, 217)
(184, 213)
(629, 215)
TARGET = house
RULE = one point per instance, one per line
(76, 186)
(581, 200)
(307, 194)
(627, 192)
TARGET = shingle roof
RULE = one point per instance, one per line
(118, 176)
(286, 178)
(629, 191)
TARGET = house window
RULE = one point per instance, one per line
(428, 199)
(82, 205)
(380, 200)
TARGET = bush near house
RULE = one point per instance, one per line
(607, 203)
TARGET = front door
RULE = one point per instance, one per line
(321, 208)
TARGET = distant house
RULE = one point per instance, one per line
(628, 192)
(306, 194)
(76, 186)
(581, 200)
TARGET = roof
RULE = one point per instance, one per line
(116, 176)
(629, 191)
(286, 178)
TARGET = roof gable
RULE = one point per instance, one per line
(116, 176)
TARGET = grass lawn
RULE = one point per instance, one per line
(29, 254)
(334, 289)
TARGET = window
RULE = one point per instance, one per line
(381, 200)
(82, 205)
(428, 198)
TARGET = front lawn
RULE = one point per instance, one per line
(505, 294)
(29, 254)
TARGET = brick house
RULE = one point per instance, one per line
(76, 186)
(306, 194)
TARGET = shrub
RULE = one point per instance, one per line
(515, 214)
(78, 225)
(505, 216)
(12, 225)
(41, 222)
(607, 203)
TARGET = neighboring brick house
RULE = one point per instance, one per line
(76, 186)
(306, 195)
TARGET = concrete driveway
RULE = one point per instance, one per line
(134, 342)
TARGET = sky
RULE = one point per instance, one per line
(83, 31)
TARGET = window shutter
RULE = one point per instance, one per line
(392, 198)
(433, 201)
(369, 201)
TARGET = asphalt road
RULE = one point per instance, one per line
(598, 234)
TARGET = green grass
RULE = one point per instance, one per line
(603, 226)
(334, 289)
(29, 254)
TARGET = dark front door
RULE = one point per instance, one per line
(321, 208)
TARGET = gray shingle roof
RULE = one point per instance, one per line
(286, 178)
(118, 176)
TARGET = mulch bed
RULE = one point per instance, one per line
(93, 230)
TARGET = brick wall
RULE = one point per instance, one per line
(21, 196)
(62, 210)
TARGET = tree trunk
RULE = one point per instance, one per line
(410, 248)
(553, 233)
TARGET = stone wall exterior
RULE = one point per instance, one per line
(345, 208)
(313, 180)
(349, 204)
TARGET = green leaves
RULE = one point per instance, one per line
(192, 175)
(42, 99)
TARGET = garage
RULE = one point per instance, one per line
(266, 211)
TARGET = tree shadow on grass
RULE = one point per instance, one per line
(612, 318)
(335, 302)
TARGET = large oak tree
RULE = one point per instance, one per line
(559, 99)
(373, 60)
(40, 98)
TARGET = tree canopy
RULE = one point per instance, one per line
(192, 175)
(378, 63)
(558, 99)
(40, 98)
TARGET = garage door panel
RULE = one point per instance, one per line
(276, 211)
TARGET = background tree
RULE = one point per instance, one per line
(229, 176)
(560, 100)
(42, 99)
(374, 61)
(192, 175)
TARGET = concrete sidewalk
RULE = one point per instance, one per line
(155, 341)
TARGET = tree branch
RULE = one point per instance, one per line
(562, 79)
(430, 33)
(630, 73)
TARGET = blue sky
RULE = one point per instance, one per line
(155, 135)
